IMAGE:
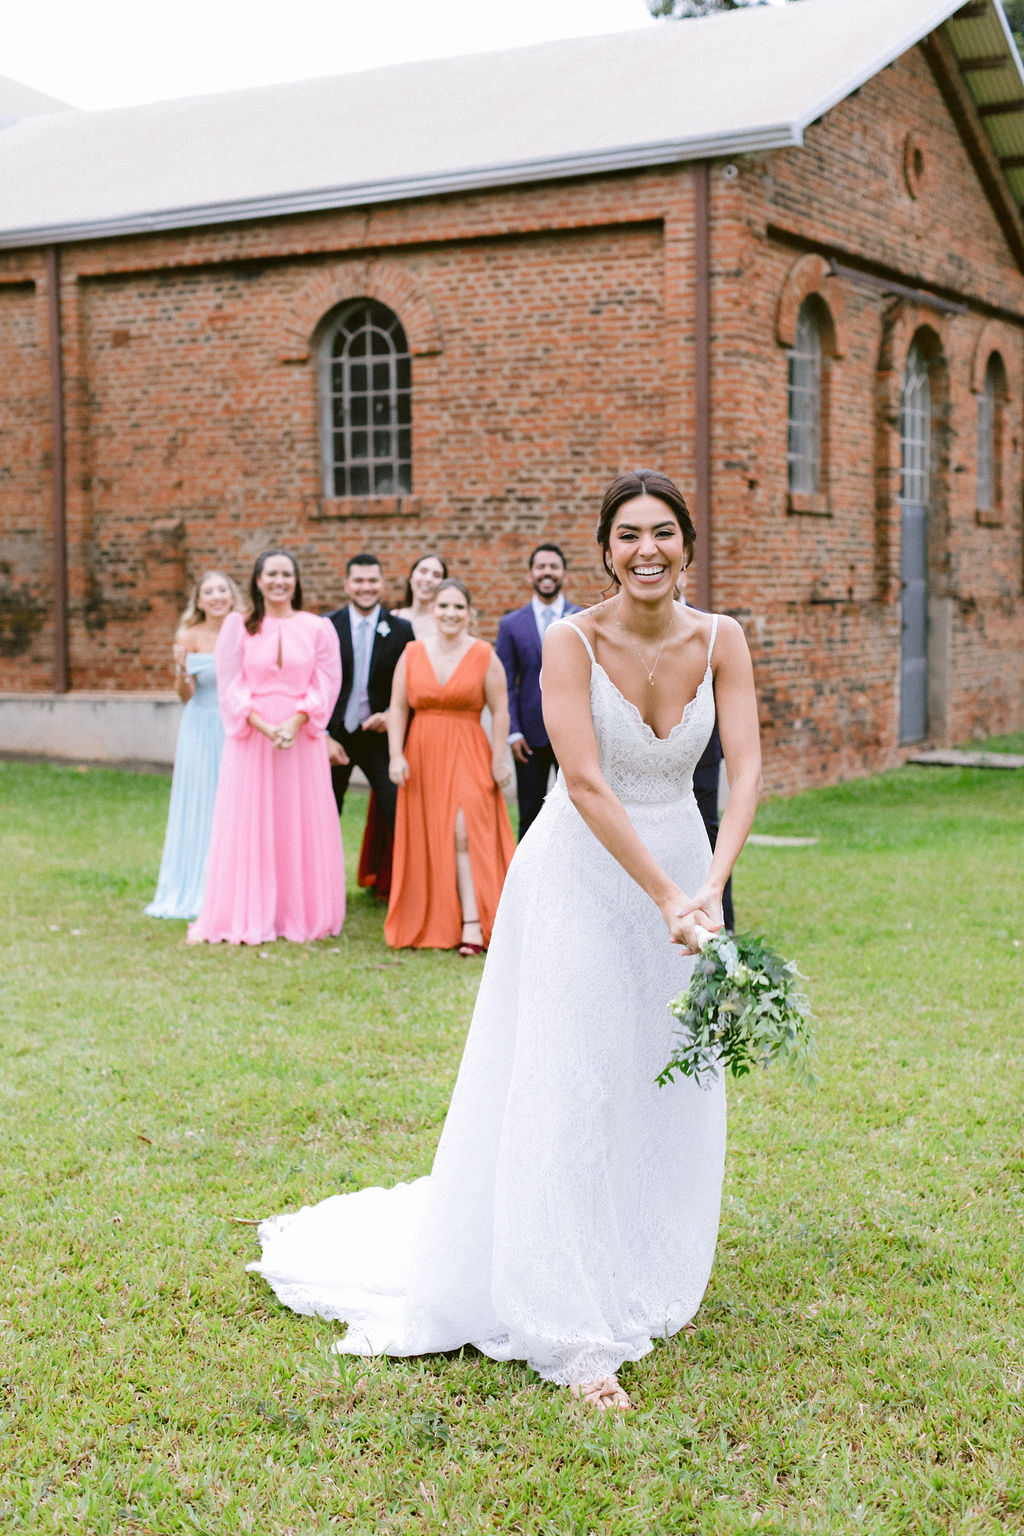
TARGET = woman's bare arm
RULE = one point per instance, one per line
(736, 708)
(184, 685)
(398, 721)
(496, 695)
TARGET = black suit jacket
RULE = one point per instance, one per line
(390, 639)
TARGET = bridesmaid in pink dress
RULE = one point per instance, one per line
(275, 867)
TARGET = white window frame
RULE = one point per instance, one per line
(804, 406)
(365, 377)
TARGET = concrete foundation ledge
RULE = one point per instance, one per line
(121, 729)
(91, 727)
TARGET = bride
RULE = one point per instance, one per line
(572, 1210)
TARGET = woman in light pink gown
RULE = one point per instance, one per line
(275, 867)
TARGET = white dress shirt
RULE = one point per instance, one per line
(360, 685)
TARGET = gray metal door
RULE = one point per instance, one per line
(915, 487)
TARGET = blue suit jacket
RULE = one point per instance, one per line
(519, 651)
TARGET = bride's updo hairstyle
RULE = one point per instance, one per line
(255, 618)
(643, 482)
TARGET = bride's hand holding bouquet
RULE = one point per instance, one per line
(687, 917)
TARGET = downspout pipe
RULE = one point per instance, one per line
(702, 377)
(58, 478)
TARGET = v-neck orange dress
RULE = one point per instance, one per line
(449, 760)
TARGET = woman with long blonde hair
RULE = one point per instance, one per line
(179, 890)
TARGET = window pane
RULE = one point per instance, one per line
(367, 376)
(803, 437)
(916, 430)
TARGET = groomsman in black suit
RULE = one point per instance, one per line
(520, 637)
(372, 639)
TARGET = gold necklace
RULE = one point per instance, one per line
(649, 670)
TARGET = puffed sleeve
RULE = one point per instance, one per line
(324, 685)
(233, 693)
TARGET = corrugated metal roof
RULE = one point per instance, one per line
(991, 69)
(739, 81)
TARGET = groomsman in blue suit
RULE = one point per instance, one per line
(520, 637)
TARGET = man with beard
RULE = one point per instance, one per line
(520, 638)
(371, 640)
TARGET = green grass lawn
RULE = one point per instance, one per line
(857, 1365)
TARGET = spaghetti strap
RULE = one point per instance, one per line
(583, 637)
(711, 642)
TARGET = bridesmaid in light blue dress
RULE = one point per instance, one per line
(179, 890)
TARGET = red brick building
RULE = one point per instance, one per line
(777, 252)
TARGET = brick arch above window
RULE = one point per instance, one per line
(906, 322)
(809, 277)
(996, 336)
(321, 292)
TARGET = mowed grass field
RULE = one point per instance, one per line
(857, 1365)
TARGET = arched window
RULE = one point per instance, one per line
(916, 430)
(803, 450)
(366, 401)
(990, 433)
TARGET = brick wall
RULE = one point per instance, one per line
(552, 334)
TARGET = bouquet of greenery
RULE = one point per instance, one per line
(743, 1007)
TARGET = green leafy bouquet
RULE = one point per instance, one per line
(743, 1008)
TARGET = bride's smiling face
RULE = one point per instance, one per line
(645, 548)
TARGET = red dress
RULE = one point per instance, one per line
(449, 760)
(376, 852)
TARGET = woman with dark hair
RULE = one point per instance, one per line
(421, 586)
(453, 838)
(275, 868)
(572, 1211)
(179, 891)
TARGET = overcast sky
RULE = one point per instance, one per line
(113, 53)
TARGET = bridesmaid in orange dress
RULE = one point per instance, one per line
(377, 850)
(453, 838)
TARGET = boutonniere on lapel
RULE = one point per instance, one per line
(383, 629)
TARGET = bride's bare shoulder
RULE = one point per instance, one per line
(594, 620)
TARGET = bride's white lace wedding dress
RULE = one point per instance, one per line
(572, 1210)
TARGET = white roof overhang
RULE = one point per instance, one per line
(730, 84)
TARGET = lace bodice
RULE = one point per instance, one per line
(638, 766)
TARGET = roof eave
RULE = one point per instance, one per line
(882, 61)
(476, 178)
